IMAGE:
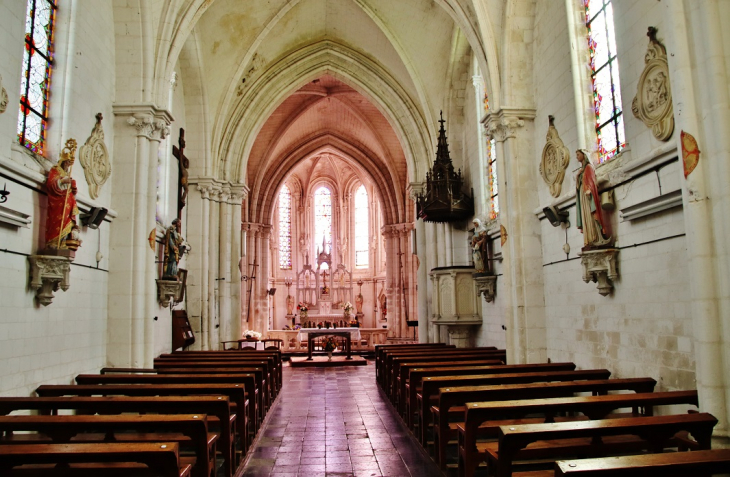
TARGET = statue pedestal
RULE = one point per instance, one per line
(291, 317)
(600, 266)
(168, 290)
(48, 273)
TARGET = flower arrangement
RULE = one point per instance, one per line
(303, 309)
(347, 307)
(329, 343)
(252, 335)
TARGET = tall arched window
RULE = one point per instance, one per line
(362, 236)
(493, 184)
(285, 228)
(36, 78)
(323, 216)
(605, 78)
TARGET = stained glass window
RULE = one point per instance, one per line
(36, 77)
(285, 228)
(362, 237)
(323, 216)
(493, 184)
(605, 78)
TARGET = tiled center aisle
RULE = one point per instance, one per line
(335, 422)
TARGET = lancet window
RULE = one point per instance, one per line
(323, 215)
(493, 183)
(36, 78)
(605, 78)
(285, 229)
(362, 238)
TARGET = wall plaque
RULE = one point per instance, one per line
(653, 101)
(555, 160)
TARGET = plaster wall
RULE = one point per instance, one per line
(644, 327)
(51, 344)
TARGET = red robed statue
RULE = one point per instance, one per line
(61, 229)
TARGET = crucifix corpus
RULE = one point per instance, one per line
(182, 164)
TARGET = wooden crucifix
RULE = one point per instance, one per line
(182, 165)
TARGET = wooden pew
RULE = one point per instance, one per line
(264, 382)
(219, 407)
(247, 380)
(382, 351)
(273, 360)
(393, 361)
(597, 438)
(236, 393)
(162, 458)
(677, 464)
(431, 385)
(478, 414)
(64, 429)
(452, 400)
(417, 374)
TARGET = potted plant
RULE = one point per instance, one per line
(329, 345)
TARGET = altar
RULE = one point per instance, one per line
(348, 333)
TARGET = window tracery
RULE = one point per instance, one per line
(323, 215)
(362, 238)
(605, 78)
(285, 262)
(36, 77)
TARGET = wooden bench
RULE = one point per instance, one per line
(479, 414)
(247, 380)
(444, 356)
(677, 464)
(236, 393)
(599, 438)
(64, 429)
(451, 401)
(431, 386)
(417, 374)
(382, 351)
(218, 407)
(263, 382)
(161, 458)
(273, 367)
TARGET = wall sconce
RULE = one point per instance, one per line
(94, 218)
(555, 216)
(4, 194)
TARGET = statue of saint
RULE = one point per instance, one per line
(289, 305)
(174, 249)
(61, 229)
(358, 303)
(590, 218)
(479, 246)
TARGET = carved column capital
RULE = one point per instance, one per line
(149, 120)
(415, 189)
(238, 193)
(225, 194)
(503, 124)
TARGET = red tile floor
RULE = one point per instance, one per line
(335, 422)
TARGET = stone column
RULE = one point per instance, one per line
(522, 266)
(132, 290)
(224, 259)
(262, 298)
(422, 272)
(238, 194)
(212, 275)
(699, 81)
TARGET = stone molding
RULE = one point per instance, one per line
(503, 124)
(3, 97)
(600, 266)
(555, 160)
(219, 191)
(653, 101)
(414, 189)
(393, 230)
(48, 273)
(94, 158)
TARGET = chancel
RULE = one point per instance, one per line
(475, 175)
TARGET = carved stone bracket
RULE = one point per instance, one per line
(48, 273)
(555, 160)
(486, 286)
(94, 158)
(600, 266)
(3, 97)
(653, 101)
(168, 290)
